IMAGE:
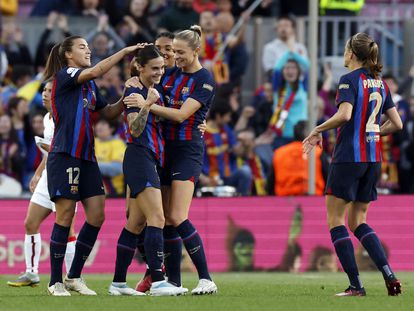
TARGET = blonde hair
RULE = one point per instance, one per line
(192, 36)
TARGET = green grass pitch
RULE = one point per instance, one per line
(237, 291)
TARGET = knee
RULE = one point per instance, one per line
(334, 221)
(245, 172)
(31, 226)
(156, 220)
(353, 224)
(64, 218)
(174, 219)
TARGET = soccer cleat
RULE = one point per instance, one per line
(123, 291)
(144, 284)
(205, 287)
(352, 292)
(163, 288)
(78, 285)
(57, 289)
(393, 287)
(26, 279)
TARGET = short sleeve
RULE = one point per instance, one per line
(204, 89)
(100, 100)
(346, 91)
(129, 91)
(68, 77)
(388, 102)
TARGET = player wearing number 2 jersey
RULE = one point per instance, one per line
(362, 98)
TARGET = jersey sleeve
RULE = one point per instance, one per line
(128, 92)
(204, 89)
(388, 102)
(68, 77)
(346, 91)
(100, 100)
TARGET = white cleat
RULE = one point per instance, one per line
(57, 289)
(163, 288)
(78, 285)
(123, 291)
(204, 287)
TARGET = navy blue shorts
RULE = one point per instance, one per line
(72, 178)
(353, 181)
(140, 168)
(183, 161)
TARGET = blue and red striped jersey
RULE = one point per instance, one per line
(358, 140)
(73, 106)
(178, 86)
(151, 137)
(218, 157)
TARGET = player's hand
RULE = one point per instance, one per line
(133, 82)
(134, 101)
(133, 48)
(202, 128)
(248, 112)
(314, 139)
(33, 183)
(153, 96)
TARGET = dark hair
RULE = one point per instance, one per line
(144, 55)
(165, 34)
(389, 76)
(289, 18)
(57, 59)
(367, 52)
(219, 108)
(295, 84)
(20, 71)
(244, 237)
(299, 130)
(13, 103)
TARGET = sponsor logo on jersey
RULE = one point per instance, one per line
(343, 86)
(208, 87)
(72, 71)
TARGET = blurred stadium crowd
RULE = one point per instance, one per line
(253, 146)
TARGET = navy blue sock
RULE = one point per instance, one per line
(84, 244)
(172, 254)
(125, 250)
(345, 252)
(369, 239)
(194, 247)
(58, 242)
(154, 249)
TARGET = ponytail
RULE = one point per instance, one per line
(57, 58)
(374, 66)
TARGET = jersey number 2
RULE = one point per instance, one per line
(73, 175)
(371, 125)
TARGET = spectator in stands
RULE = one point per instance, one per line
(266, 8)
(224, 6)
(109, 154)
(33, 154)
(20, 76)
(407, 154)
(19, 114)
(238, 57)
(103, 40)
(204, 5)
(9, 8)
(221, 152)
(248, 157)
(290, 167)
(111, 85)
(44, 46)
(88, 8)
(16, 49)
(290, 103)
(10, 157)
(285, 41)
(179, 16)
(136, 18)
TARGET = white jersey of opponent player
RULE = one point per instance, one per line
(41, 194)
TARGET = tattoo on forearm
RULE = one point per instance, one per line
(137, 121)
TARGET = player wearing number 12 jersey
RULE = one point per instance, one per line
(362, 98)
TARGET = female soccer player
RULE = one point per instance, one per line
(40, 207)
(189, 92)
(143, 157)
(73, 173)
(362, 97)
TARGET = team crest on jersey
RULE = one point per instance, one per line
(185, 90)
(74, 189)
